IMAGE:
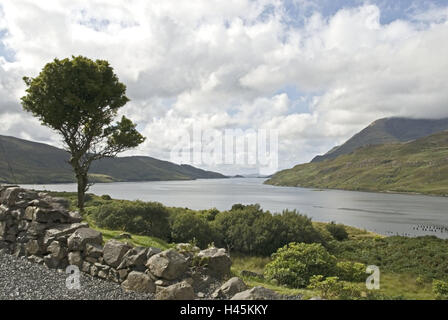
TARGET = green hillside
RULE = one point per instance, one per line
(23, 161)
(419, 166)
(387, 130)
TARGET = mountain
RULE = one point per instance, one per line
(387, 130)
(23, 161)
(419, 166)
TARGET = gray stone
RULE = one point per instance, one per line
(168, 264)
(178, 291)
(81, 237)
(75, 258)
(94, 250)
(135, 258)
(230, 288)
(56, 250)
(256, 293)
(34, 247)
(217, 260)
(152, 251)
(139, 282)
(62, 230)
(114, 251)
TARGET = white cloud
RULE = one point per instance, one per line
(226, 64)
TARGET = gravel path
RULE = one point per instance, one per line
(24, 280)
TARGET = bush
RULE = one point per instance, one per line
(337, 231)
(188, 226)
(106, 197)
(332, 288)
(294, 264)
(145, 218)
(440, 289)
(351, 271)
(250, 230)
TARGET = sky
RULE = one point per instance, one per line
(317, 72)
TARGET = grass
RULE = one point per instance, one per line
(420, 166)
(401, 260)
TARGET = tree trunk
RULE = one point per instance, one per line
(82, 188)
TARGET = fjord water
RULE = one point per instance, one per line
(387, 214)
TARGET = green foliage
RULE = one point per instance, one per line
(188, 226)
(351, 271)
(440, 289)
(421, 256)
(332, 288)
(249, 229)
(106, 197)
(296, 263)
(144, 218)
(80, 98)
(337, 231)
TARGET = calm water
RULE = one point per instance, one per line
(388, 214)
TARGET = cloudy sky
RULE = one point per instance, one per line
(317, 71)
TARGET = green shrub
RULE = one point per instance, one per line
(337, 231)
(106, 197)
(249, 229)
(351, 271)
(144, 218)
(188, 226)
(440, 289)
(294, 264)
(332, 288)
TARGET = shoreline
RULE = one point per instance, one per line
(413, 193)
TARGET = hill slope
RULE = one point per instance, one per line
(23, 161)
(419, 166)
(388, 130)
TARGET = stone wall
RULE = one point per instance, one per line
(41, 228)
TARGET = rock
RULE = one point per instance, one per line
(36, 259)
(135, 258)
(56, 250)
(85, 267)
(114, 251)
(230, 288)
(75, 217)
(139, 282)
(81, 237)
(37, 229)
(256, 293)
(177, 291)
(94, 250)
(51, 262)
(123, 274)
(168, 264)
(152, 251)
(33, 247)
(217, 260)
(75, 258)
(10, 195)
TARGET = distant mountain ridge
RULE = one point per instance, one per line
(419, 166)
(387, 130)
(23, 161)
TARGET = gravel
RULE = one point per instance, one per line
(21, 279)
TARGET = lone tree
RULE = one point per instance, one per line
(79, 98)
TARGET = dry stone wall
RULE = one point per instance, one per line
(42, 228)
